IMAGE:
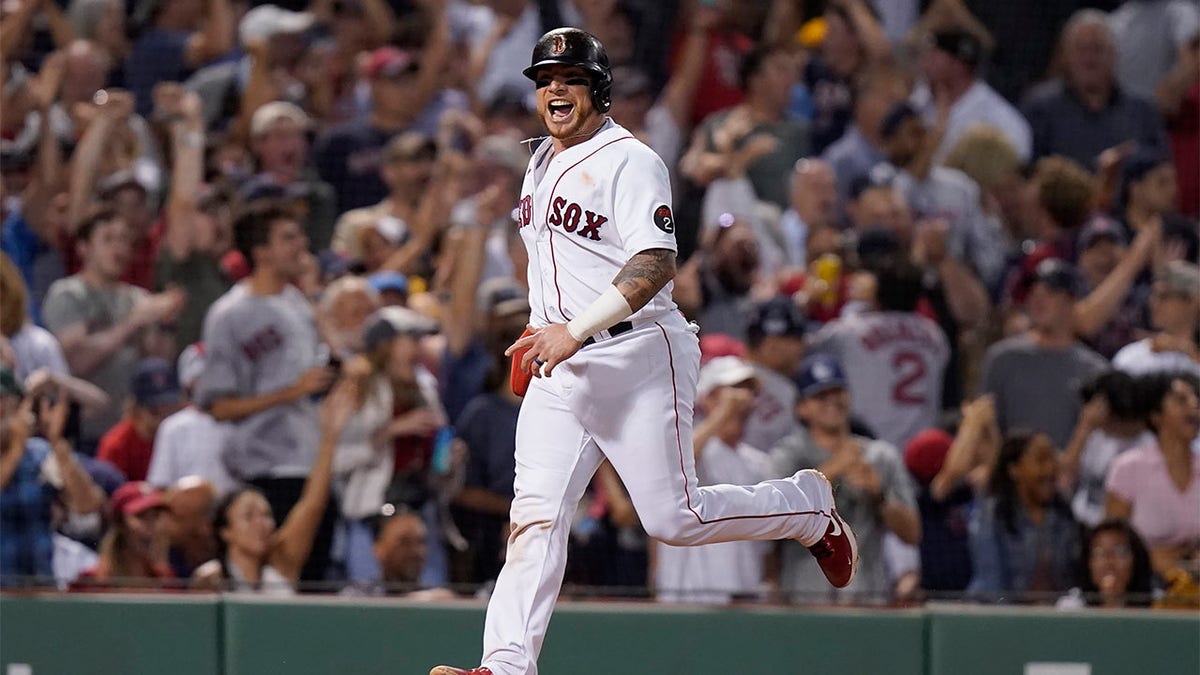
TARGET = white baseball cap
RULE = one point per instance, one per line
(268, 114)
(191, 364)
(266, 21)
(723, 371)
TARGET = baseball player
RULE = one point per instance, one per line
(614, 365)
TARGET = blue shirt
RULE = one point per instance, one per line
(1033, 558)
(462, 378)
(156, 56)
(27, 547)
(39, 263)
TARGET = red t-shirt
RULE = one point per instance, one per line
(719, 87)
(125, 449)
(1184, 129)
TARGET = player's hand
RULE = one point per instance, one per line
(547, 346)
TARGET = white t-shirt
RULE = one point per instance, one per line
(1137, 358)
(1098, 454)
(894, 362)
(979, 105)
(584, 213)
(716, 572)
(35, 349)
(190, 443)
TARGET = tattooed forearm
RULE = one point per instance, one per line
(644, 275)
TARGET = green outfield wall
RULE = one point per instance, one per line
(235, 635)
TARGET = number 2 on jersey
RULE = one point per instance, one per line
(911, 369)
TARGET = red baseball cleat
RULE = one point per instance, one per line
(837, 552)
(450, 670)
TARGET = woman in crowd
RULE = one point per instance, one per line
(1022, 535)
(1114, 569)
(1156, 487)
(252, 553)
(133, 552)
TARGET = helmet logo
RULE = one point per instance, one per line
(560, 45)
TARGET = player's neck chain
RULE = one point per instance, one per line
(538, 139)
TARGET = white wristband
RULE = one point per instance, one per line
(610, 308)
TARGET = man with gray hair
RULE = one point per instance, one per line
(1175, 313)
(1086, 111)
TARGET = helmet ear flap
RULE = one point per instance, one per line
(602, 92)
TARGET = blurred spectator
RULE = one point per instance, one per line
(874, 490)
(37, 467)
(860, 148)
(252, 553)
(392, 288)
(198, 219)
(950, 471)
(1156, 487)
(890, 338)
(1148, 195)
(1178, 97)
(984, 154)
(279, 141)
(103, 22)
(1086, 112)
(726, 571)
(481, 321)
(1175, 313)
(133, 553)
(364, 462)
(400, 551)
(190, 442)
(760, 120)
(853, 42)
(34, 348)
(1033, 376)
(1063, 194)
(274, 42)
(774, 347)
(488, 427)
(950, 60)
(714, 285)
(812, 210)
(493, 187)
(102, 322)
(116, 164)
(35, 212)
(155, 394)
(190, 502)
(1113, 312)
(342, 314)
(264, 369)
(1114, 571)
(942, 193)
(501, 48)
(1109, 424)
(1023, 538)
(174, 38)
(402, 83)
(1150, 35)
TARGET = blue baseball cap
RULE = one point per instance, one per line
(776, 316)
(155, 384)
(819, 373)
(389, 281)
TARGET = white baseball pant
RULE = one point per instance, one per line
(629, 399)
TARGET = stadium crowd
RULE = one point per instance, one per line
(261, 266)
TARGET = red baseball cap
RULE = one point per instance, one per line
(714, 345)
(135, 497)
(390, 62)
(926, 452)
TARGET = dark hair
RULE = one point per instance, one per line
(252, 228)
(1003, 489)
(753, 61)
(1064, 190)
(899, 284)
(1152, 389)
(221, 521)
(1118, 389)
(1141, 576)
(95, 217)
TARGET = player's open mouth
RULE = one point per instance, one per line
(560, 110)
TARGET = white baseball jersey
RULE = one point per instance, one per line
(894, 362)
(584, 213)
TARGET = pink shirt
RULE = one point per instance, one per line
(1162, 515)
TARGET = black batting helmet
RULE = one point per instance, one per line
(574, 47)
